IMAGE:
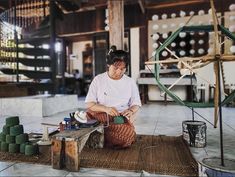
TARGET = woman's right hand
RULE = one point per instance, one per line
(112, 111)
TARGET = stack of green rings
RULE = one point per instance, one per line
(14, 140)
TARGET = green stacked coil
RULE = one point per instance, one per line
(31, 149)
(14, 140)
(6, 129)
(16, 130)
(4, 147)
(10, 139)
(22, 147)
(11, 121)
(14, 148)
(2, 137)
(22, 138)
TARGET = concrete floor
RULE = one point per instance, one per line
(153, 119)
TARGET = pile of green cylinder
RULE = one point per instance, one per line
(14, 140)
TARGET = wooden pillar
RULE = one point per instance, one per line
(52, 44)
(116, 23)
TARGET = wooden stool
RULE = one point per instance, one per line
(67, 146)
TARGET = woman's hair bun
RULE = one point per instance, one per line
(112, 49)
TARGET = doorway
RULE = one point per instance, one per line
(100, 48)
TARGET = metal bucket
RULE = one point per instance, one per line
(194, 133)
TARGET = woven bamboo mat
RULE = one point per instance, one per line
(155, 154)
(44, 157)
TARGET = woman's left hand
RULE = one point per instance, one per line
(128, 113)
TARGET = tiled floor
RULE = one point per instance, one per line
(152, 119)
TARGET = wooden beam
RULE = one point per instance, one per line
(184, 59)
(206, 58)
(167, 5)
(116, 23)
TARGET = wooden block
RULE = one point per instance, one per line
(67, 146)
(57, 154)
(72, 156)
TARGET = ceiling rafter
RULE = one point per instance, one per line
(172, 4)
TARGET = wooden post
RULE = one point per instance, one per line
(57, 152)
(52, 44)
(72, 156)
(116, 23)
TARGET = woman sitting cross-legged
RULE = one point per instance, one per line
(113, 94)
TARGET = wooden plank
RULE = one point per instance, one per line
(74, 135)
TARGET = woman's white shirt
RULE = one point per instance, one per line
(121, 94)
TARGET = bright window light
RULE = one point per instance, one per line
(58, 47)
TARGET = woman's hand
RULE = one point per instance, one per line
(128, 113)
(112, 111)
